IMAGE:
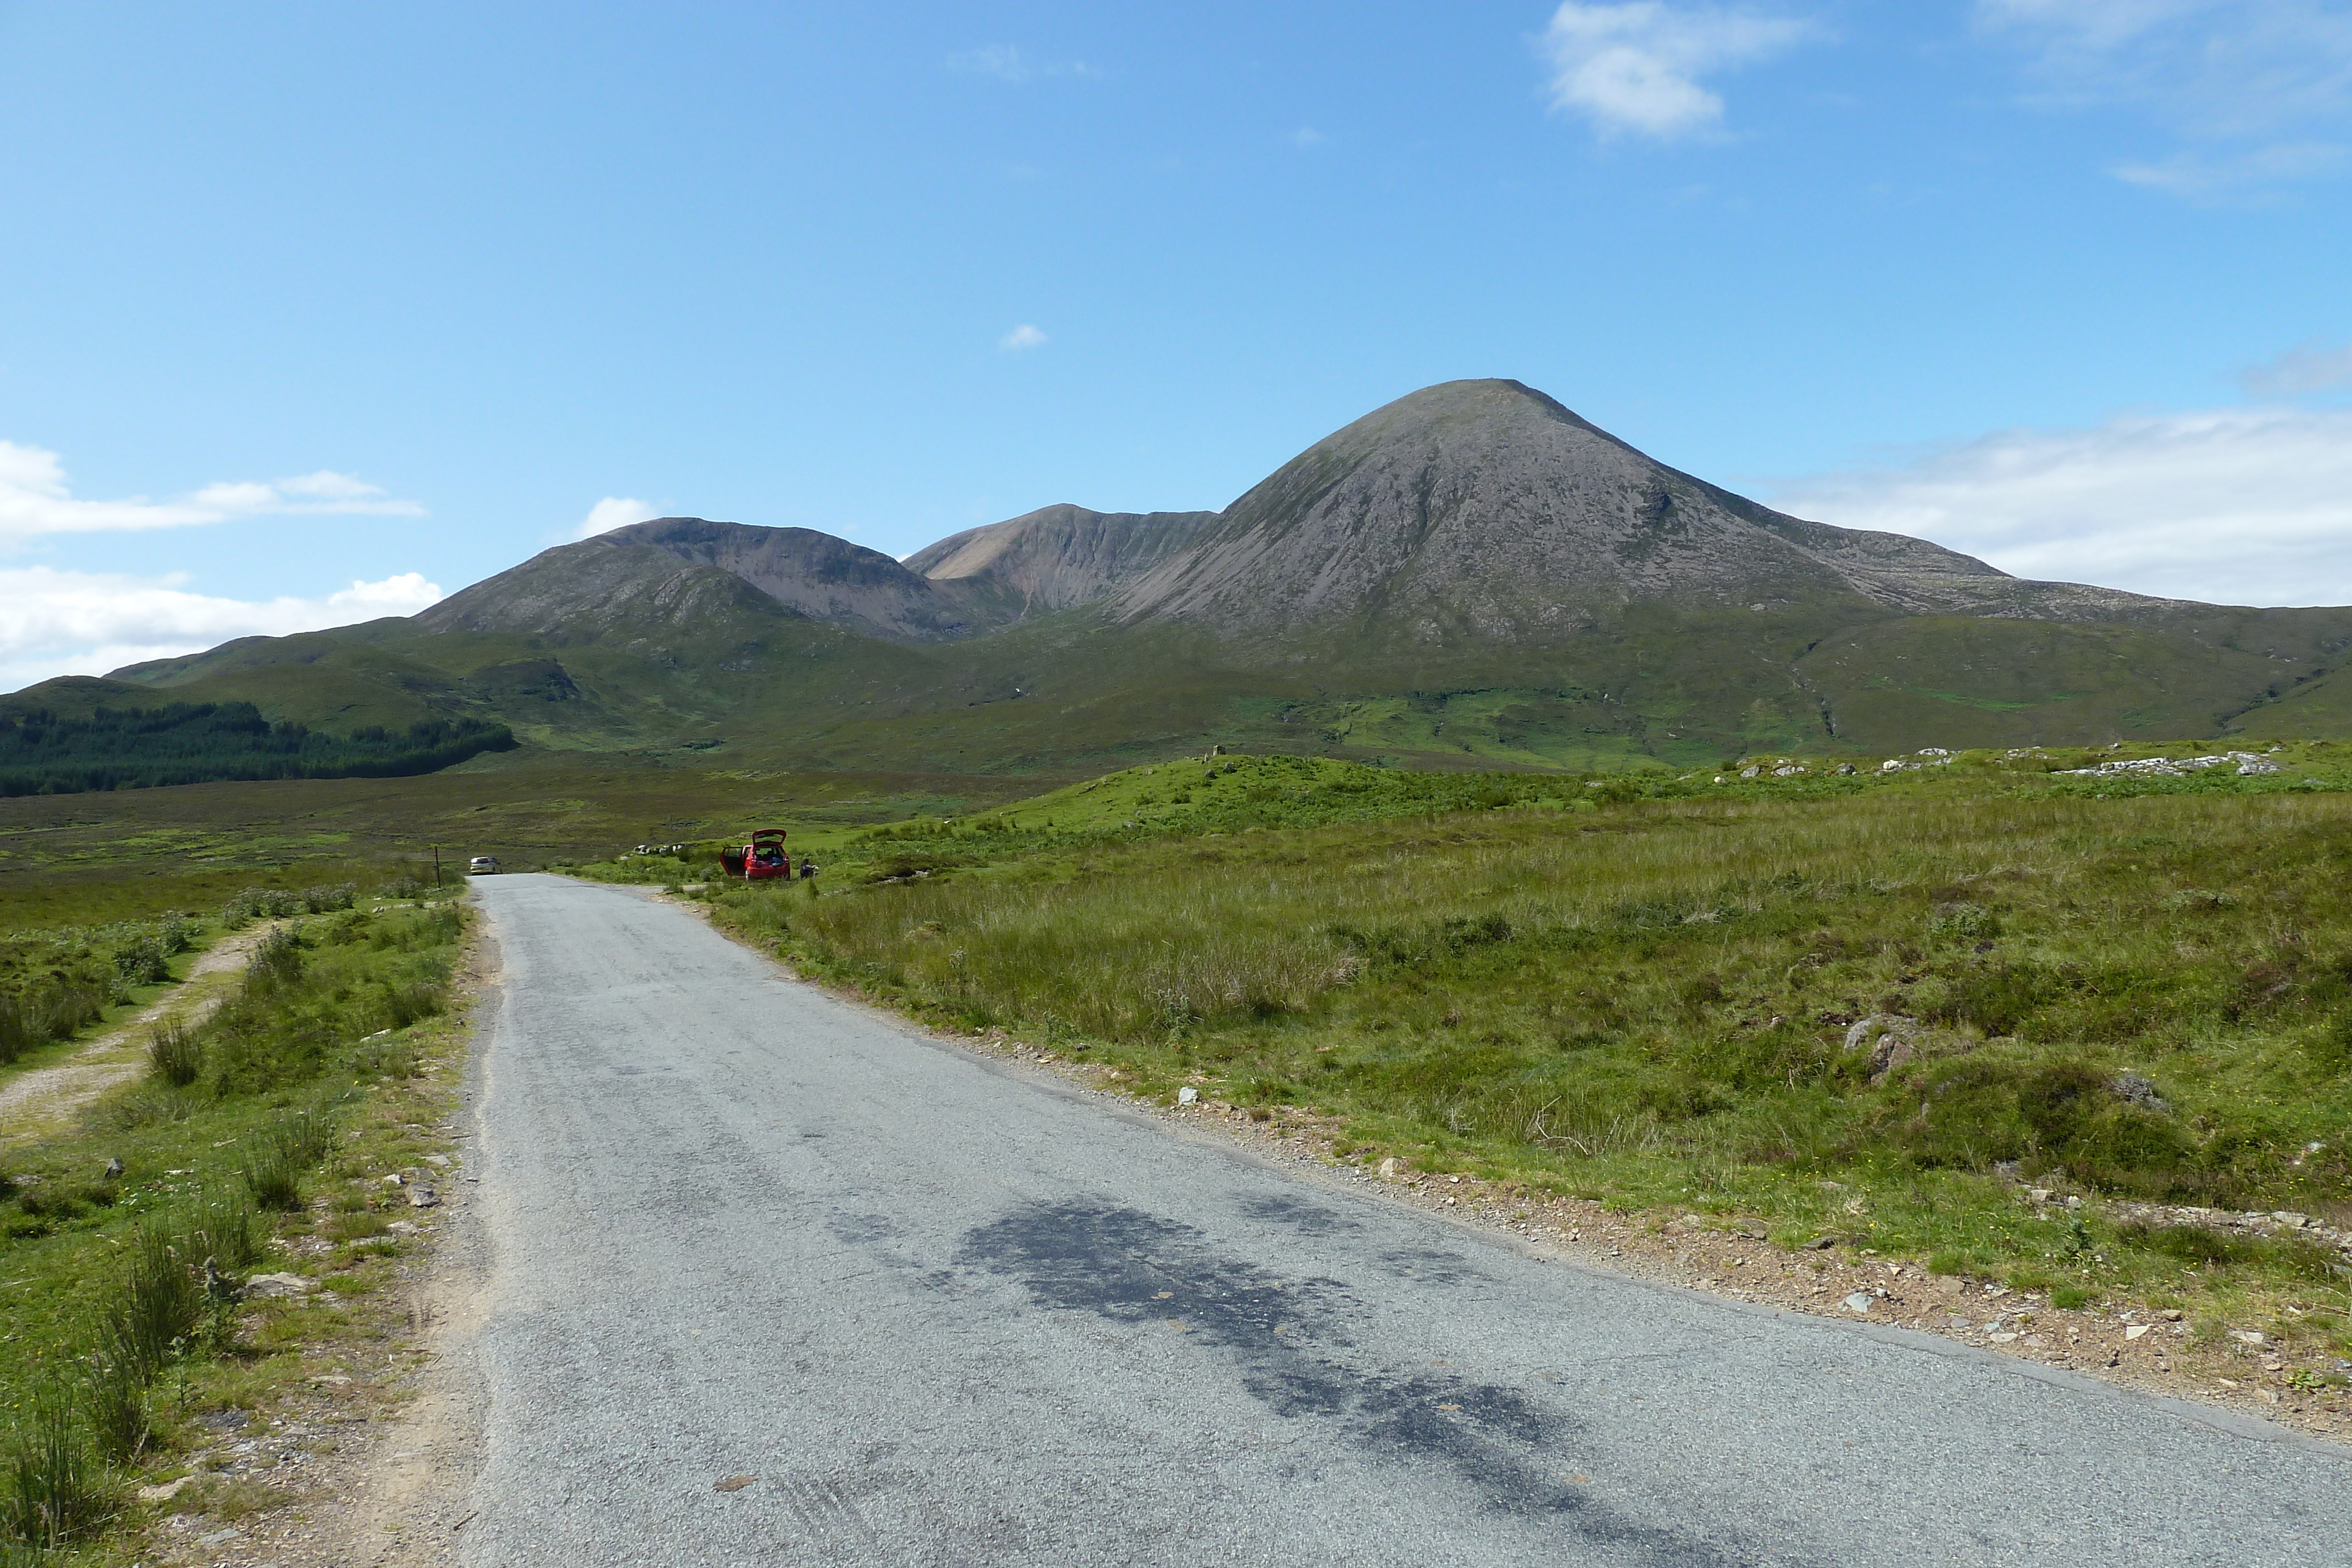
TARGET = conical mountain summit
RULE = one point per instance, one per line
(1484, 507)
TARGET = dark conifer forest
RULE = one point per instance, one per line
(46, 753)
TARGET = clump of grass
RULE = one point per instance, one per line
(273, 1170)
(222, 1229)
(115, 1399)
(57, 1491)
(175, 1053)
(275, 1181)
(406, 1004)
(157, 1309)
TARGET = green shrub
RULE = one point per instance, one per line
(277, 960)
(325, 900)
(143, 961)
(177, 933)
(259, 903)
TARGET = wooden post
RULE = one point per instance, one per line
(436, 865)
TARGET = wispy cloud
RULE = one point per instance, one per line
(2306, 368)
(1007, 63)
(1637, 67)
(2203, 175)
(1024, 336)
(86, 623)
(34, 499)
(2233, 506)
(2261, 75)
(612, 512)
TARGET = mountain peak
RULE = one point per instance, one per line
(1487, 510)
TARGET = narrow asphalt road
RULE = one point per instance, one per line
(941, 1312)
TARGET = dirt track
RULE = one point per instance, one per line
(38, 1100)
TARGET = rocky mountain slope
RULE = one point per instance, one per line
(1486, 509)
(1061, 557)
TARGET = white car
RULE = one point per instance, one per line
(481, 865)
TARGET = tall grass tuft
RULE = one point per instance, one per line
(57, 1491)
(404, 1005)
(175, 1053)
(154, 1318)
(222, 1228)
(273, 1172)
(115, 1396)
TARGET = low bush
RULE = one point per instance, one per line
(144, 962)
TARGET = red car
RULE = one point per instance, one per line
(765, 855)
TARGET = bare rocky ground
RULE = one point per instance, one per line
(40, 1100)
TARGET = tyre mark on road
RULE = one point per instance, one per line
(1291, 1344)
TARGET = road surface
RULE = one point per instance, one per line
(939, 1311)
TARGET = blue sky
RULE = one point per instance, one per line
(308, 312)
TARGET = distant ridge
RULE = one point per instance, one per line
(1470, 575)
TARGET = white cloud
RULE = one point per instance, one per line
(1008, 64)
(1024, 336)
(2244, 71)
(2231, 505)
(34, 500)
(86, 623)
(1636, 67)
(612, 512)
(2306, 368)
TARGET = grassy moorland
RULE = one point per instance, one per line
(137, 854)
(1877, 1006)
(253, 1143)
